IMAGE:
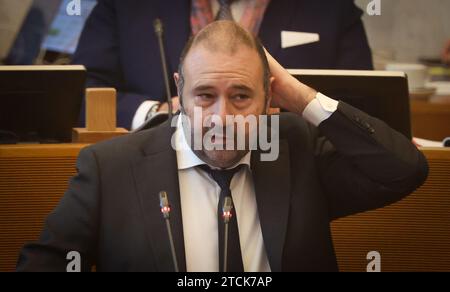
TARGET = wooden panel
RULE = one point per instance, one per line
(32, 181)
(83, 135)
(412, 235)
(431, 119)
(101, 112)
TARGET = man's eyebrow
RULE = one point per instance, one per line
(242, 87)
(203, 87)
(234, 86)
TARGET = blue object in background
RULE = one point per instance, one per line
(66, 29)
(48, 27)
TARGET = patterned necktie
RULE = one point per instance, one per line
(225, 10)
(234, 260)
(251, 19)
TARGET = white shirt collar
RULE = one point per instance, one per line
(186, 158)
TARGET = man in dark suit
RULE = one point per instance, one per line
(119, 48)
(333, 161)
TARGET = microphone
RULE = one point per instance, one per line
(226, 213)
(165, 210)
(160, 117)
(159, 31)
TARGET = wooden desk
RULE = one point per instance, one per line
(430, 119)
(32, 180)
(411, 235)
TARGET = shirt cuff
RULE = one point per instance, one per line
(141, 114)
(320, 109)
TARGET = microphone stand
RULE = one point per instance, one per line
(227, 207)
(165, 210)
(159, 31)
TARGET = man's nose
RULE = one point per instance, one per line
(222, 108)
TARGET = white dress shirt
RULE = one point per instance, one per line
(199, 199)
(200, 196)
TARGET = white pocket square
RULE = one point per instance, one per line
(294, 38)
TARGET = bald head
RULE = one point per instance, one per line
(225, 37)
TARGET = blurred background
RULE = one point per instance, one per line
(407, 30)
(409, 36)
(40, 31)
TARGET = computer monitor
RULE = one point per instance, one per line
(381, 94)
(40, 103)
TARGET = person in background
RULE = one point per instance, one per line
(119, 47)
(27, 45)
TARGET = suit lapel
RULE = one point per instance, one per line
(272, 188)
(155, 172)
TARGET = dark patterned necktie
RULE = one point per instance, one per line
(234, 260)
(225, 10)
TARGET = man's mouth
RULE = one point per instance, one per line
(221, 139)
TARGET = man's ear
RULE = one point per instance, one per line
(269, 97)
(176, 77)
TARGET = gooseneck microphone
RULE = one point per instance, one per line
(160, 117)
(159, 31)
(165, 210)
(226, 214)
